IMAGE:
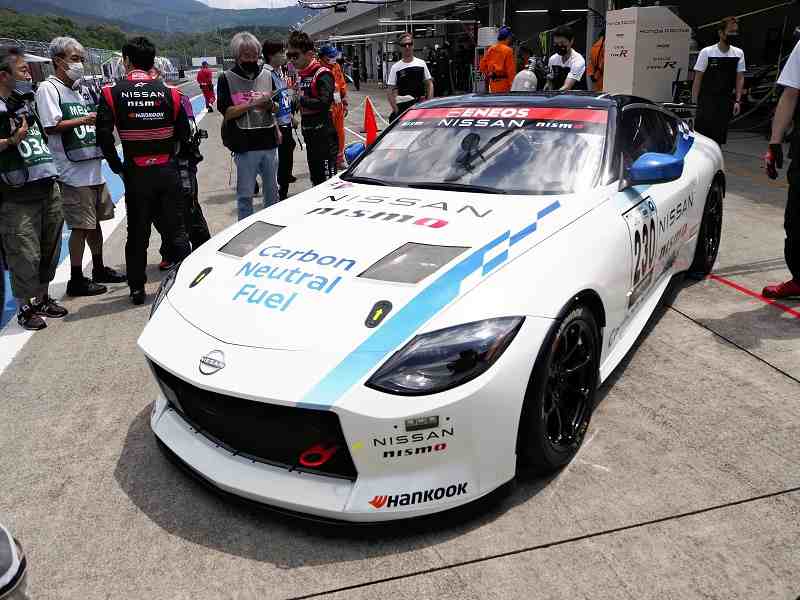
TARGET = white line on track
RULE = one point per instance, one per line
(12, 336)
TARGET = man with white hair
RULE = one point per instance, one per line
(67, 111)
(244, 98)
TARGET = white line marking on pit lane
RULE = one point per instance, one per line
(358, 135)
(12, 336)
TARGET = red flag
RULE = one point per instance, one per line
(370, 125)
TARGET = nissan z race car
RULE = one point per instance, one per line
(403, 338)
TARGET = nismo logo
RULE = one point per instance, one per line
(380, 216)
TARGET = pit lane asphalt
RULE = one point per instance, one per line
(686, 487)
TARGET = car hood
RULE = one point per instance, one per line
(301, 288)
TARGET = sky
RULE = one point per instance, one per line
(249, 3)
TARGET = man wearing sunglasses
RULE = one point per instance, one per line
(409, 80)
(317, 86)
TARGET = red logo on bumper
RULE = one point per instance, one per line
(379, 502)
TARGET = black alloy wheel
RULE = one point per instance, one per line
(710, 235)
(561, 394)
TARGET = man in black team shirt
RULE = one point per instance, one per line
(409, 80)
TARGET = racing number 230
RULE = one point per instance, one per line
(641, 221)
(644, 250)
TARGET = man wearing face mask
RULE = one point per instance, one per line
(67, 111)
(31, 218)
(244, 98)
(718, 71)
(567, 66)
(152, 126)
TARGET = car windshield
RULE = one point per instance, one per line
(505, 150)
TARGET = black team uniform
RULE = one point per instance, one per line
(322, 142)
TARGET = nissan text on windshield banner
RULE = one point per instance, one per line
(579, 120)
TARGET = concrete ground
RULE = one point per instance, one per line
(688, 485)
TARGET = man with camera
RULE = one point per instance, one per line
(31, 217)
(152, 125)
(67, 111)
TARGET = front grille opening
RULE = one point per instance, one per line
(266, 433)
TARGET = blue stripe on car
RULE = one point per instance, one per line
(409, 319)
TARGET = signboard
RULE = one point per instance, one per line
(647, 49)
(197, 61)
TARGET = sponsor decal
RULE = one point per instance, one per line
(200, 276)
(675, 213)
(419, 497)
(142, 93)
(416, 203)
(380, 216)
(212, 362)
(401, 452)
(251, 293)
(378, 313)
(412, 438)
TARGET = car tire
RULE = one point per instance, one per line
(560, 396)
(708, 238)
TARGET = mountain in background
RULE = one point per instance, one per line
(159, 15)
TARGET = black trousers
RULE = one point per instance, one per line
(714, 114)
(153, 194)
(791, 222)
(285, 161)
(357, 80)
(322, 146)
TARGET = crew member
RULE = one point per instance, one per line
(596, 64)
(567, 66)
(718, 71)
(67, 111)
(317, 87)
(205, 79)
(244, 97)
(357, 73)
(409, 79)
(152, 124)
(788, 110)
(31, 218)
(497, 63)
(328, 56)
(274, 58)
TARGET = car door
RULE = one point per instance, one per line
(656, 215)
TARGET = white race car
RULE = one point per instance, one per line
(403, 338)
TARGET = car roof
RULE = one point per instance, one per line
(537, 99)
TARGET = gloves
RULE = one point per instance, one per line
(773, 160)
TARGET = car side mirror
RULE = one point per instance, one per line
(654, 167)
(353, 151)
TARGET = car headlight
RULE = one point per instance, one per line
(163, 289)
(440, 360)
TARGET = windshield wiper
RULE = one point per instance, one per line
(458, 187)
(366, 180)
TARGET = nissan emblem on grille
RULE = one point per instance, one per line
(212, 362)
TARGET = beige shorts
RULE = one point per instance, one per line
(84, 207)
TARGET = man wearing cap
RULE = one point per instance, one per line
(409, 79)
(498, 65)
(328, 56)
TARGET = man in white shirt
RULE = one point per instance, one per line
(409, 80)
(718, 70)
(67, 111)
(567, 66)
(786, 113)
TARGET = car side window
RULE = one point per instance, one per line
(643, 131)
(670, 127)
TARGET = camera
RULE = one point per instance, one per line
(15, 104)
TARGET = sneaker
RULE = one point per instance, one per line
(787, 289)
(137, 296)
(84, 287)
(165, 265)
(28, 319)
(48, 307)
(108, 275)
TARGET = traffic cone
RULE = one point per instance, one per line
(370, 125)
